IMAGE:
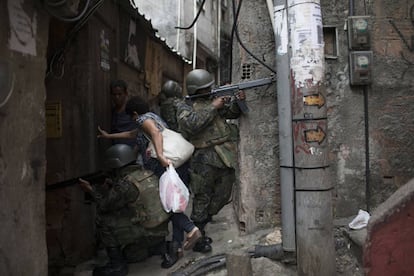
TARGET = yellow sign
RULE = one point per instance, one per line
(53, 120)
(314, 100)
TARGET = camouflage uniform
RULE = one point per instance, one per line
(168, 110)
(170, 96)
(215, 157)
(127, 214)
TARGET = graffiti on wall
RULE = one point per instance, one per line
(310, 137)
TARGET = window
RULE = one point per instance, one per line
(330, 36)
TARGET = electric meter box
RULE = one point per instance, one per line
(360, 68)
(359, 32)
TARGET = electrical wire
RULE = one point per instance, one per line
(195, 18)
(58, 56)
(236, 32)
(235, 16)
(9, 94)
(66, 19)
(56, 4)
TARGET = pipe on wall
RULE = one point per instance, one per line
(366, 131)
(177, 42)
(287, 181)
(218, 42)
(195, 37)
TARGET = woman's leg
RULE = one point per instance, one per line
(182, 223)
(178, 228)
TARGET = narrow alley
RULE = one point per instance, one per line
(330, 133)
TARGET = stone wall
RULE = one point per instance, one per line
(366, 175)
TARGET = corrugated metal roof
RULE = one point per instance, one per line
(162, 40)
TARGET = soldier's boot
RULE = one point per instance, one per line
(117, 266)
(204, 243)
(206, 238)
(171, 256)
(202, 246)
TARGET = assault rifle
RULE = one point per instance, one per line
(91, 177)
(232, 89)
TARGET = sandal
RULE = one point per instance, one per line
(192, 238)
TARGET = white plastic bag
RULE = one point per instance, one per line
(175, 147)
(174, 194)
(360, 221)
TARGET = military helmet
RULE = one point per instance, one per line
(198, 79)
(118, 156)
(171, 89)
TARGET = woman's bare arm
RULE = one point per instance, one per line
(131, 134)
(155, 134)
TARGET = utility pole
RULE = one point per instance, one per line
(305, 185)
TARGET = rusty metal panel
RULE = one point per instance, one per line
(153, 70)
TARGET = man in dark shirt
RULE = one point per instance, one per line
(120, 120)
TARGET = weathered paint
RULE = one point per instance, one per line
(307, 62)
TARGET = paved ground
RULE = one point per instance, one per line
(224, 232)
(226, 239)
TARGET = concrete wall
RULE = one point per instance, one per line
(388, 108)
(23, 138)
(257, 197)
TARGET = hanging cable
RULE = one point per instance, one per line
(236, 32)
(195, 18)
(6, 99)
(56, 4)
(48, 4)
(235, 16)
(58, 56)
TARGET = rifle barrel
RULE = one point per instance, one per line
(73, 181)
(233, 87)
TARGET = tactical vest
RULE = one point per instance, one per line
(148, 208)
(216, 133)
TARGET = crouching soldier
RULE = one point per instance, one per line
(130, 220)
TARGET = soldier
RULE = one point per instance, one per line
(214, 160)
(171, 94)
(130, 220)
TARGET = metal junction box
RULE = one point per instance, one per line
(360, 69)
(359, 32)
